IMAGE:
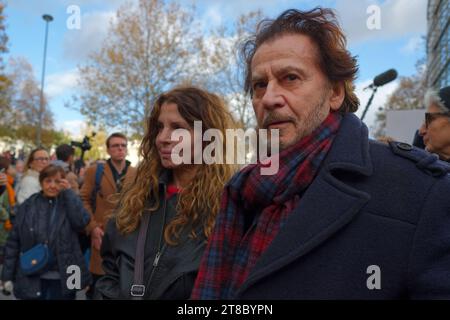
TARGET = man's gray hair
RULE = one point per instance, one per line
(432, 97)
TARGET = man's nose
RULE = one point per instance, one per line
(272, 96)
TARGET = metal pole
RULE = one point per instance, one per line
(48, 18)
(369, 103)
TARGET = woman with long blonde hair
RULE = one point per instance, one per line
(29, 183)
(153, 244)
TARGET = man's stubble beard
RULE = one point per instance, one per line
(314, 119)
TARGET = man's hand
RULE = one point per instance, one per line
(96, 237)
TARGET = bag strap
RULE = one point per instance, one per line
(98, 179)
(138, 289)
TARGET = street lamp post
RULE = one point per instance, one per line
(48, 18)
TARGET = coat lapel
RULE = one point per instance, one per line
(109, 177)
(327, 205)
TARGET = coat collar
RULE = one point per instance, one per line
(165, 177)
(327, 205)
(109, 176)
(350, 150)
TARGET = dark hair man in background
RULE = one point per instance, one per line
(101, 181)
(65, 158)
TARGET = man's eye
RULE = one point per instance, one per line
(291, 77)
(259, 85)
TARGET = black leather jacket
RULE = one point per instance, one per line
(171, 276)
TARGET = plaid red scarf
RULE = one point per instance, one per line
(233, 247)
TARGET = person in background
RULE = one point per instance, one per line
(418, 140)
(65, 159)
(19, 168)
(3, 179)
(7, 202)
(29, 184)
(101, 181)
(53, 217)
(81, 174)
(435, 129)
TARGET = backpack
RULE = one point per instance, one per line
(98, 179)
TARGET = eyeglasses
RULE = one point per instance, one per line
(431, 116)
(118, 145)
(41, 159)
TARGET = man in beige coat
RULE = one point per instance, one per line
(115, 170)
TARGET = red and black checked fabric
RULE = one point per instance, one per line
(233, 251)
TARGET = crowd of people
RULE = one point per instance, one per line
(340, 204)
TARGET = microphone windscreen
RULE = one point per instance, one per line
(385, 77)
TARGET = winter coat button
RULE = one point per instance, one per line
(404, 146)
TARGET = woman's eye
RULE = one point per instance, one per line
(180, 126)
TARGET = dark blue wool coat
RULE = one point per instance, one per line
(370, 205)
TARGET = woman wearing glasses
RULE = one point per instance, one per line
(29, 184)
(436, 128)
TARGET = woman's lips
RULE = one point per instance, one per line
(165, 153)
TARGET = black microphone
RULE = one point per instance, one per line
(378, 81)
(383, 78)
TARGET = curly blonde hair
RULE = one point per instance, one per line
(199, 203)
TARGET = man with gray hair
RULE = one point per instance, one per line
(435, 129)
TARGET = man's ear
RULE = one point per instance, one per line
(337, 95)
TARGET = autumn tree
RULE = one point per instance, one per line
(22, 118)
(4, 81)
(227, 68)
(409, 95)
(150, 47)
